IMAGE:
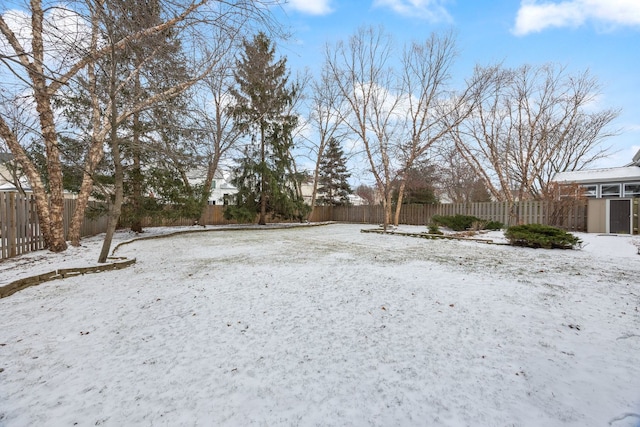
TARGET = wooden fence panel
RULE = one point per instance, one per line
(571, 217)
(20, 229)
(20, 232)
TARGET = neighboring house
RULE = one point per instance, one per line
(355, 200)
(307, 192)
(10, 175)
(221, 189)
(614, 195)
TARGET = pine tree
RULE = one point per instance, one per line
(265, 178)
(333, 178)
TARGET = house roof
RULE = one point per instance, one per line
(621, 174)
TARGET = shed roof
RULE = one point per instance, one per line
(621, 174)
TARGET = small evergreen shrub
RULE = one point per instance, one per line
(465, 222)
(433, 229)
(455, 222)
(241, 214)
(494, 225)
(541, 236)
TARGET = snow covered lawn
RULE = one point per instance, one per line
(326, 326)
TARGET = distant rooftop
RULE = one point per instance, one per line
(621, 174)
(627, 173)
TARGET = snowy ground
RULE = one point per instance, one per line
(325, 326)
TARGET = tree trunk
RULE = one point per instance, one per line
(96, 151)
(81, 206)
(55, 220)
(136, 172)
(396, 218)
(116, 207)
(39, 191)
(136, 178)
(263, 181)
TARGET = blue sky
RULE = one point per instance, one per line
(602, 36)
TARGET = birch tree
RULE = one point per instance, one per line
(43, 59)
(361, 69)
(429, 103)
(530, 123)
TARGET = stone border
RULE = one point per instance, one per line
(61, 273)
(203, 229)
(433, 236)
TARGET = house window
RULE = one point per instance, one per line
(610, 190)
(213, 185)
(590, 190)
(632, 189)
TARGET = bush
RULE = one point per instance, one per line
(455, 222)
(241, 214)
(541, 236)
(494, 225)
(466, 222)
(433, 229)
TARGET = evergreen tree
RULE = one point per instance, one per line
(265, 178)
(333, 185)
(419, 185)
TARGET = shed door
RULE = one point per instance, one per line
(620, 216)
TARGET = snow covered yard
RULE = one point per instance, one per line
(327, 326)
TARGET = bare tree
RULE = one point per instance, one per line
(213, 116)
(429, 106)
(32, 68)
(324, 121)
(458, 183)
(361, 71)
(367, 193)
(528, 124)
(397, 113)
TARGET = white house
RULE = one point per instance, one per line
(221, 189)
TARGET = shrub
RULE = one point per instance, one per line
(241, 214)
(455, 222)
(541, 236)
(433, 229)
(465, 222)
(494, 225)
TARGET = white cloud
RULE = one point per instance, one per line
(312, 7)
(65, 35)
(534, 16)
(431, 10)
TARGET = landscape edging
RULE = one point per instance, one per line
(27, 282)
(61, 273)
(203, 229)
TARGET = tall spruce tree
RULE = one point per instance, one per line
(334, 188)
(265, 177)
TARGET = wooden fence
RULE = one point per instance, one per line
(20, 232)
(570, 216)
(20, 229)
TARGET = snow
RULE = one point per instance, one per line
(626, 173)
(325, 326)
